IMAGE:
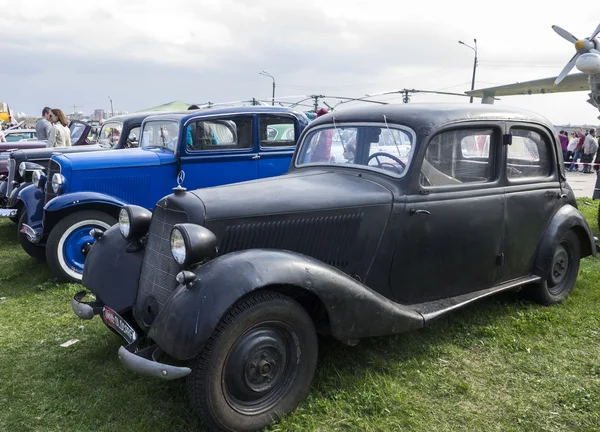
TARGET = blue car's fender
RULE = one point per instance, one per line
(63, 205)
(33, 203)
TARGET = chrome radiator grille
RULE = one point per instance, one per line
(12, 169)
(157, 278)
(53, 168)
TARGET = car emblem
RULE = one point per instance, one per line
(180, 177)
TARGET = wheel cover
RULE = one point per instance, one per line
(560, 268)
(74, 245)
(260, 368)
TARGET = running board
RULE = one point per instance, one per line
(435, 309)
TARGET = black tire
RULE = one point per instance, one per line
(259, 335)
(563, 272)
(33, 250)
(85, 220)
(598, 218)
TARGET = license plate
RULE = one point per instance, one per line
(114, 320)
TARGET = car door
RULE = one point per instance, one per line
(451, 227)
(277, 135)
(533, 195)
(219, 150)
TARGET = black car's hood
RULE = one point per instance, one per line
(46, 152)
(306, 191)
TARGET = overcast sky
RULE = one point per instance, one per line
(146, 53)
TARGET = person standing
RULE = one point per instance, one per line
(43, 125)
(590, 147)
(564, 143)
(60, 135)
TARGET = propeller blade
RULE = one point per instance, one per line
(595, 32)
(564, 34)
(567, 69)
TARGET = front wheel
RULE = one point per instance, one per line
(70, 240)
(257, 365)
(563, 272)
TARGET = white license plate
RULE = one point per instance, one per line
(114, 320)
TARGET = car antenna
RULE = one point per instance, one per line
(390, 131)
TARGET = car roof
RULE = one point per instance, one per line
(137, 116)
(186, 115)
(424, 117)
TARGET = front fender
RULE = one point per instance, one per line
(111, 273)
(190, 316)
(566, 218)
(33, 202)
(14, 195)
(81, 198)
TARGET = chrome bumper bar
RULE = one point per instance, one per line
(8, 213)
(32, 235)
(144, 362)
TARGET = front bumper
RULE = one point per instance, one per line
(32, 235)
(145, 362)
(8, 213)
(85, 310)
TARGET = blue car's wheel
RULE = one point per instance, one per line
(70, 240)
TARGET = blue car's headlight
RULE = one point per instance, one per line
(58, 183)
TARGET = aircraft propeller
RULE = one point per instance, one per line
(582, 46)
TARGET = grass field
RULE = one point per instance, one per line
(503, 364)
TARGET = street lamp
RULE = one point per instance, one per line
(112, 113)
(474, 63)
(267, 74)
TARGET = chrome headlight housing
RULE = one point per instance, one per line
(58, 183)
(22, 169)
(192, 244)
(134, 222)
(39, 179)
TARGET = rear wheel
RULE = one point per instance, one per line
(32, 249)
(70, 241)
(563, 272)
(257, 365)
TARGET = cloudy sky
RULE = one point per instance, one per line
(145, 53)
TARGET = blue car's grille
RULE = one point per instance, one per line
(157, 279)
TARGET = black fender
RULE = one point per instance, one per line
(33, 202)
(189, 317)
(111, 273)
(566, 218)
(12, 200)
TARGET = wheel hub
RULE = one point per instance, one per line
(560, 266)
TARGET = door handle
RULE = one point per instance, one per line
(414, 211)
(255, 157)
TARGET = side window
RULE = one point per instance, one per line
(219, 134)
(457, 157)
(529, 155)
(133, 140)
(277, 131)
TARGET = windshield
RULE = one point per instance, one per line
(379, 147)
(109, 134)
(160, 133)
(76, 131)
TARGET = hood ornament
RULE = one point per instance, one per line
(180, 179)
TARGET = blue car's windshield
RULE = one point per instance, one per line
(160, 133)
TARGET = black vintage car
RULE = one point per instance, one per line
(388, 218)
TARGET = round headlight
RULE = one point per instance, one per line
(22, 169)
(178, 249)
(58, 181)
(38, 179)
(124, 223)
(192, 244)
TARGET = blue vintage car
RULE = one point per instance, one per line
(202, 148)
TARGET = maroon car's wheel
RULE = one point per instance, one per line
(563, 272)
(257, 365)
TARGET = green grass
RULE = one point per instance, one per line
(502, 364)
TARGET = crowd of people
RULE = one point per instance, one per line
(580, 147)
(53, 127)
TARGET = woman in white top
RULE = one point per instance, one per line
(60, 134)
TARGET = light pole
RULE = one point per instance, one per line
(267, 74)
(474, 63)
(112, 113)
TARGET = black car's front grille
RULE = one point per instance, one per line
(53, 168)
(157, 278)
(12, 174)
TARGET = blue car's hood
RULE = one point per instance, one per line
(118, 159)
